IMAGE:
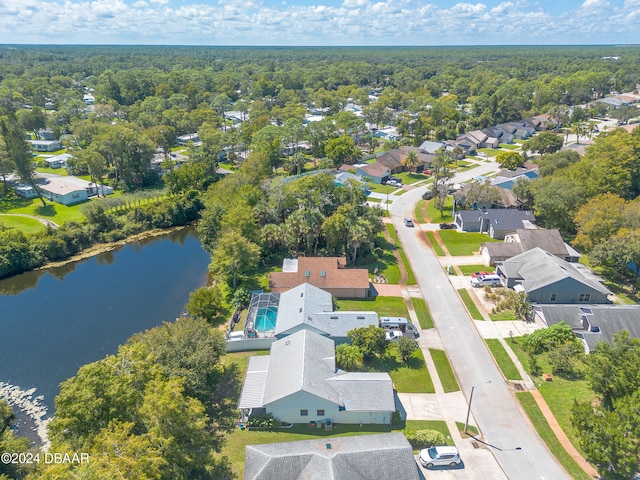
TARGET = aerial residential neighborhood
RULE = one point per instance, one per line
(283, 263)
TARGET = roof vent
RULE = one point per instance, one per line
(300, 309)
(595, 329)
(328, 445)
(301, 294)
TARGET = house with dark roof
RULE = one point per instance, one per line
(299, 383)
(546, 278)
(479, 139)
(592, 323)
(361, 457)
(327, 273)
(522, 240)
(393, 159)
(375, 172)
(496, 222)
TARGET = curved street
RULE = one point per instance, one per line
(513, 441)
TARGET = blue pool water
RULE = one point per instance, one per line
(266, 319)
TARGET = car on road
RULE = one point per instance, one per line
(426, 195)
(408, 222)
(434, 456)
(448, 226)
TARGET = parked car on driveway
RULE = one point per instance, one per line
(431, 457)
(394, 183)
(408, 222)
(448, 226)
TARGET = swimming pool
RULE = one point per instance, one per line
(266, 319)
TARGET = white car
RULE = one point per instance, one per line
(445, 455)
(392, 336)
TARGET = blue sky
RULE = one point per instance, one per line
(320, 22)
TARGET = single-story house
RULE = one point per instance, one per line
(311, 308)
(393, 159)
(479, 139)
(63, 192)
(593, 323)
(497, 222)
(328, 273)
(522, 240)
(299, 383)
(58, 161)
(375, 172)
(546, 278)
(540, 122)
(45, 145)
(503, 135)
(431, 147)
(360, 457)
(91, 188)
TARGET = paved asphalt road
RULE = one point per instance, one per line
(497, 413)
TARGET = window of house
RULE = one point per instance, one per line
(584, 297)
(553, 297)
(304, 413)
(320, 412)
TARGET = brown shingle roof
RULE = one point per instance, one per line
(335, 274)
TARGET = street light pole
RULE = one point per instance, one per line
(466, 423)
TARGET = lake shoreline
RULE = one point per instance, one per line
(99, 248)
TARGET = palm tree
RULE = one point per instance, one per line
(411, 161)
(580, 130)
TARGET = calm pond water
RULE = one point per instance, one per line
(53, 321)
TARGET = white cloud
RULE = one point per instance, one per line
(354, 3)
(353, 22)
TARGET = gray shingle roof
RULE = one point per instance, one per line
(610, 319)
(313, 307)
(365, 457)
(365, 392)
(301, 362)
(538, 268)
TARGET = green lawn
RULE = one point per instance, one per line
(438, 425)
(491, 152)
(24, 224)
(509, 146)
(422, 311)
(505, 315)
(470, 428)
(411, 376)
(559, 394)
(463, 243)
(434, 214)
(544, 430)
(409, 178)
(418, 212)
(503, 359)
(411, 279)
(58, 171)
(470, 304)
(437, 249)
(379, 188)
(384, 259)
(384, 306)
(445, 372)
(374, 199)
(469, 269)
(53, 211)
(462, 164)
